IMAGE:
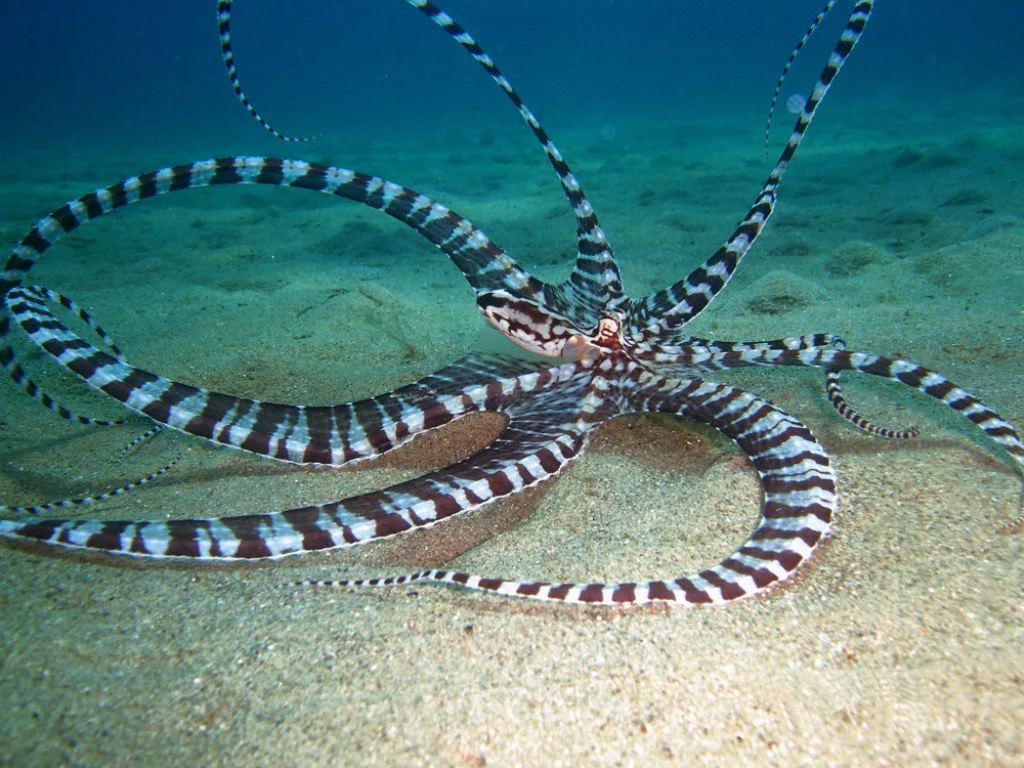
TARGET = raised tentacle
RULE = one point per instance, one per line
(663, 315)
(227, 55)
(799, 501)
(595, 282)
(789, 64)
(542, 436)
(486, 267)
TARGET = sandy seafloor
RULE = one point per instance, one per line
(899, 644)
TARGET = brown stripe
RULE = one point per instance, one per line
(624, 593)
(692, 594)
(559, 591)
(659, 590)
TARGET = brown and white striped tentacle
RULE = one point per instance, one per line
(835, 397)
(595, 279)
(662, 315)
(81, 501)
(227, 55)
(485, 266)
(894, 369)
(710, 351)
(542, 437)
(923, 380)
(44, 294)
(19, 376)
(789, 64)
(667, 357)
(328, 435)
(149, 434)
(799, 502)
(595, 282)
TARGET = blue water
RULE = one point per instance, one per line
(124, 70)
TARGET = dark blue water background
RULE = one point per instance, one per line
(149, 74)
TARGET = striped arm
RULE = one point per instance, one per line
(902, 371)
(667, 357)
(662, 315)
(486, 266)
(540, 440)
(127, 448)
(800, 498)
(923, 380)
(227, 55)
(20, 377)
(789, 64)
(329, 435)
(595, 280)
(835, 397)
(81, 501)
(707, 354)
